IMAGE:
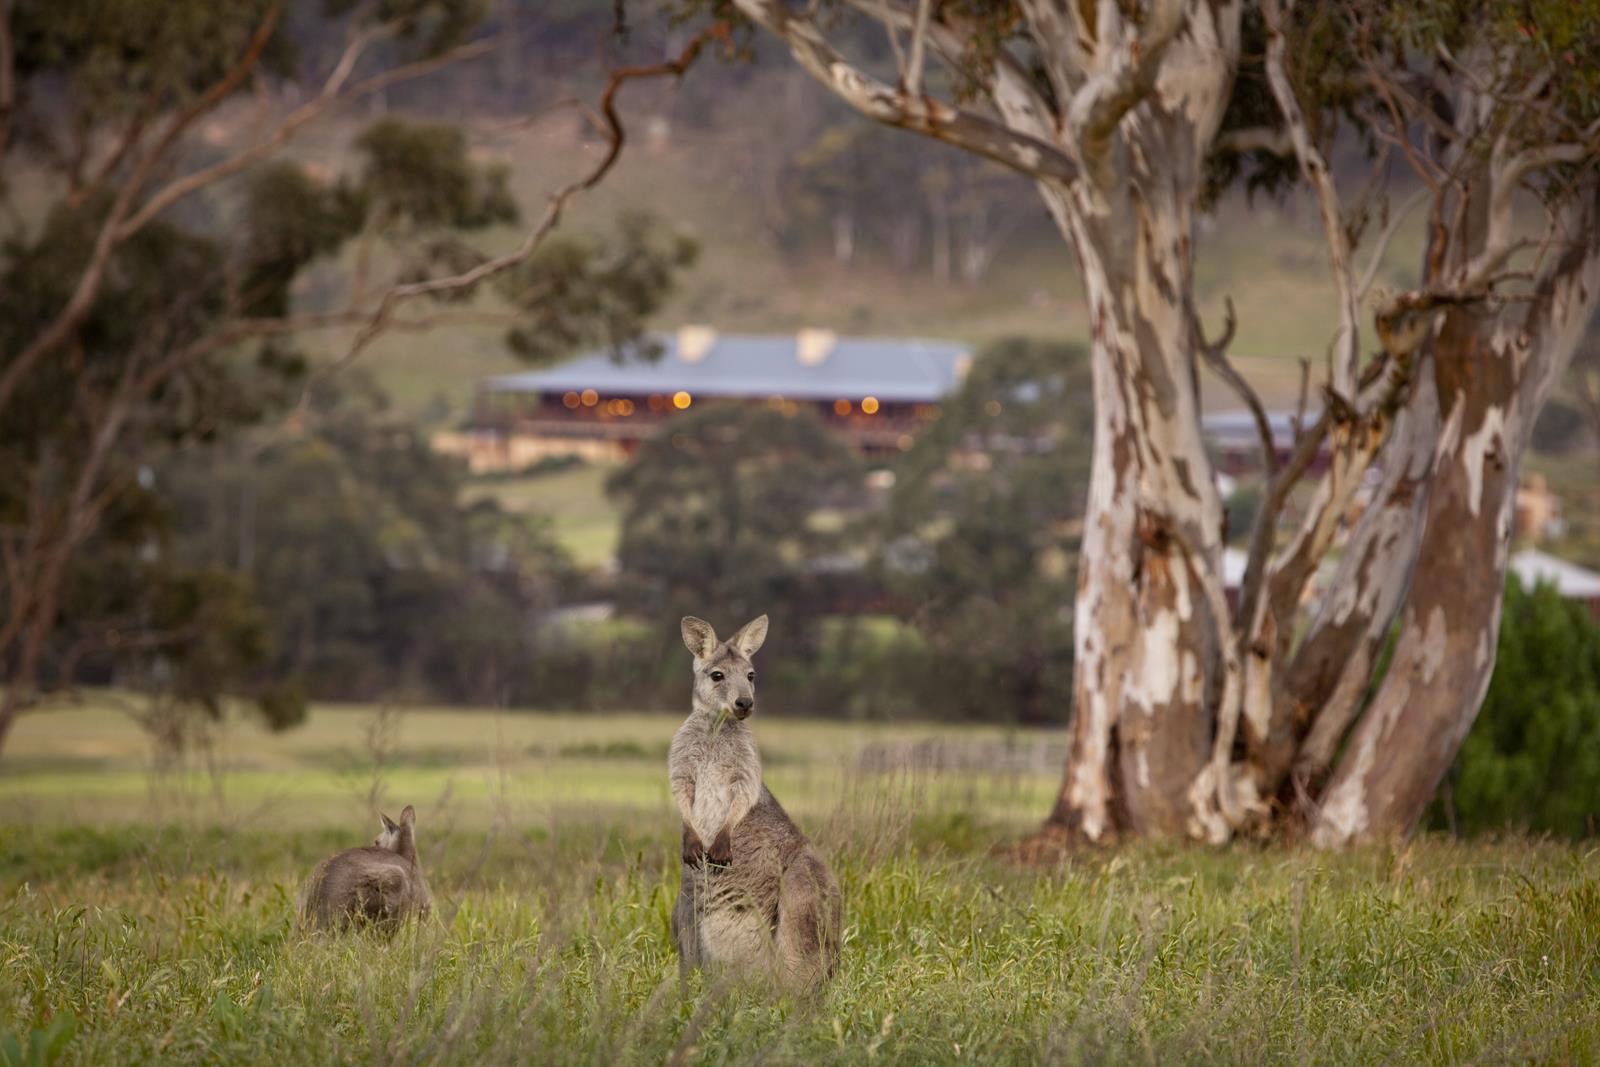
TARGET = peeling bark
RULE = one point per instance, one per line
(1493, 372)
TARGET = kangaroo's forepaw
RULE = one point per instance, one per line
(721, 851)
(694, 850)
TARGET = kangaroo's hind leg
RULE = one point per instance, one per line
(809, 916)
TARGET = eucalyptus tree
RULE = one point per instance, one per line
(1490, 107)
(1192, 715)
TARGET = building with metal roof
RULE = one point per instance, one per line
(876, 391)
(809, 365)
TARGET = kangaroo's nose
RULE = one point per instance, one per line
(743, 703)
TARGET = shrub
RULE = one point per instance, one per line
(1532, 760)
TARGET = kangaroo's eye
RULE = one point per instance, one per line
(717, 676)
(751, 676)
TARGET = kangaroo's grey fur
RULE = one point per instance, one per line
(381, 884)
(756, 895)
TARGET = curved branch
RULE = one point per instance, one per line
(1347, 341)
(1215, 354)
(1254, 139)
(330, 94)
(382, 318)
(1370, 275)
(984, 136)
(1506, 175)
(67, 320)
(1127, 76)
(1010, 86)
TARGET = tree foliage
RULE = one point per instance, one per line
(373, 576)
(720, 515)
(1532, 760)
(988, 504)
(587, 292)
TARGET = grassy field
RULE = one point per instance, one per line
(146, 912)
(582, 519)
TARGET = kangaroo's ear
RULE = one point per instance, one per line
(698, 636)
(388, 823)
(409, 816)
(751, 636)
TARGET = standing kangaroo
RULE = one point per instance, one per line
(381, 884)
(756, 895)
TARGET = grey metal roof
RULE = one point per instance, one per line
(892, 369)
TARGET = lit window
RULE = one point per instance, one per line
(869, 405)
(571, 400)
(590, 398)
(681, 400)
(841, 407)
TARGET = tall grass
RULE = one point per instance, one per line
(143, 941)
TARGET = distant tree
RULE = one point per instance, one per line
(372, 577)
(720, 515)
(147, 290)
(962, 212)
(984, 509)
(1532, 760)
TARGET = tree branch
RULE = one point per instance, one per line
(1254, 139)
(88, 287)
(984, 136)
(330, 94)
(1215, 354)
(1346, 353)
(1506, 175)
(399, 294)
(1369, 275)
(912, 83)
(1123, 80)
(1010, 87)
(1060, 49)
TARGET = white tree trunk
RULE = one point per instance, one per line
(1493, 374)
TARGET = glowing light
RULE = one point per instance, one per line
(841, 407)
(992, 407)
(571, 400)
(904, 442)
(869, 405)
(681, 400)
(590, 398)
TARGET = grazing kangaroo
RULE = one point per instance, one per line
(381, 884)
(756, 895)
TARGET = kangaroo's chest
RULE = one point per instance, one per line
(727, 781)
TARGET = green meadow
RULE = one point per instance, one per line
(147, 911)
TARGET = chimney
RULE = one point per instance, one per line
(813, 346)
(694, 342)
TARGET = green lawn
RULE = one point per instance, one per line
(582, 519)
(147, 916)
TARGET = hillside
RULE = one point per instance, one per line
(1266, 257)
